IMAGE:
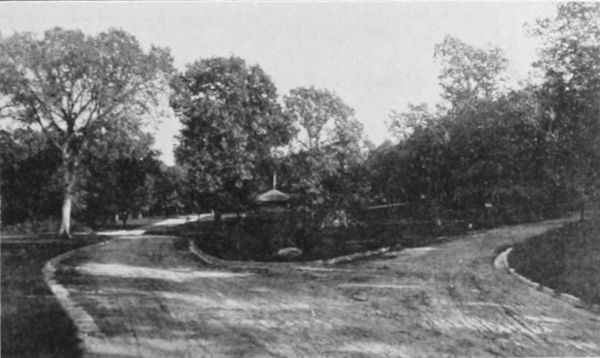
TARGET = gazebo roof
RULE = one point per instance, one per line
(272, 196)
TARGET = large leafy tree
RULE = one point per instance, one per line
(74, 87)
(468, 73)
(321, 119)
(328, 146)
(570, 62)
(231, 123)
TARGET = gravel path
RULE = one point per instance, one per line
(150, 297)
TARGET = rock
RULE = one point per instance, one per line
(289, 253)
(361, 297)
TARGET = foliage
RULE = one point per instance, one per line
(169, 191)
(322, 119)
(570, 62)
(29, 178)
(120, 178)
(75, 87)
(403, 124)
(487, 154)
(325, 159)
(468, 73)
(231, 122)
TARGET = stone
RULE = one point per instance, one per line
(289, 253)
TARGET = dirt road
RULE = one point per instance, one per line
(150, 297)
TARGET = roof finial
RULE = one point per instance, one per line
(274, 180)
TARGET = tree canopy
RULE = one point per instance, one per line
(328, 146)
(570, 95)
(74, 88)
(518, 150)
(231, 122)
(82, 99)
(468, 73)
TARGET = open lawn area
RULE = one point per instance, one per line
(33, 322)
(566, 260)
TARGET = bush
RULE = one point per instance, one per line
(33, 226)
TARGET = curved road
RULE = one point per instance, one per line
(150, 297)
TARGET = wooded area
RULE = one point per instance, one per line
(74, 143)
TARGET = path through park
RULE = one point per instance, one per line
(150, 297)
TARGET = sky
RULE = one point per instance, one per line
(376, 56)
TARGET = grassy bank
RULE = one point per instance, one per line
(33, 323)
(566, 260)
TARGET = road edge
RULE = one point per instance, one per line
(87, 329)
(211, 260)
(501, 262)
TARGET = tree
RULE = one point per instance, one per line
(570, 62)
(321, 119)
(29, 181)
(170, 191)
(485, 148)
(327, 147)
(403, 124)
(231, 122)
(74, 87)
(119, 176)
(468, 73)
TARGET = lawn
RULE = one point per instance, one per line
(566, 260)
(259, 238)
(33, 323)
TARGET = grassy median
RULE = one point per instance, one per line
(566, 260)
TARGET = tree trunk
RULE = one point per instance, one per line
(68, 194)
(65, 224)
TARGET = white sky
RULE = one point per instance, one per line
(377, 56)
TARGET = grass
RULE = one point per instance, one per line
(33, 324)
(566, 260)
(259, 239)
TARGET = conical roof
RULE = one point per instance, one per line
(272, 196)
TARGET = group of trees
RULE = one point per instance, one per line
(118, 178)
(236, 136)
(525, 149)
(78, 104)
(84, 97)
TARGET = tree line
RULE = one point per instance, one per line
(75, 144)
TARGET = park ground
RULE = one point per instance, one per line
(33, 323)
(566, 260)
(150, 297)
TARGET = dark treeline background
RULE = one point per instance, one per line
(488, 151)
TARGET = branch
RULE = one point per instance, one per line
(47, 111)
(48, 135)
